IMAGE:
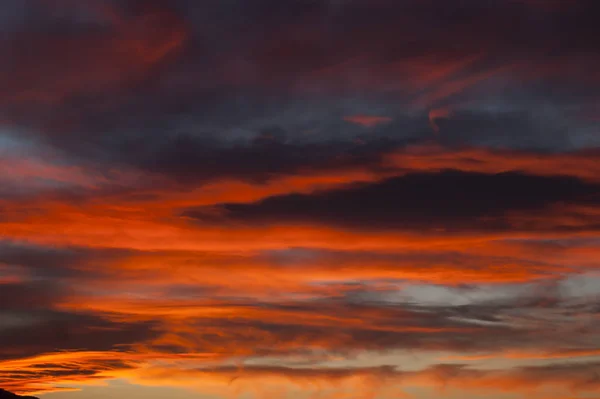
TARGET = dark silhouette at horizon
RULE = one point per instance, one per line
(4, 394)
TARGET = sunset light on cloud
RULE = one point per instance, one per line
(263, 199)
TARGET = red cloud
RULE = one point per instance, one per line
(367, 121)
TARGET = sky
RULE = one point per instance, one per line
(303, 199)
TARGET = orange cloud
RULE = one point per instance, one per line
(439, 380)
(432, 158)
(149, 222)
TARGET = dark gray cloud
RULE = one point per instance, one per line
(55, 264)
(30, 295)
(189, 159)
(299, 67)
(448, 200)
(31, 333)
(31, 319)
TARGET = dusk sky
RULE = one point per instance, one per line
(302, 199)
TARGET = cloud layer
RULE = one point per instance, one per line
(324, 199)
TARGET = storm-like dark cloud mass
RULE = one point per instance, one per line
(303, 198)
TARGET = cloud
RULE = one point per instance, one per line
(40, 374)
(197, 328)
(122, 83)
(365, 382)
(107, 53)
(19, 296)
(192, 159)
(248, 196)
(366, 120)
(436, 114)
(43, 331)
(447, 200)
(59, 263)
(578, 164)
